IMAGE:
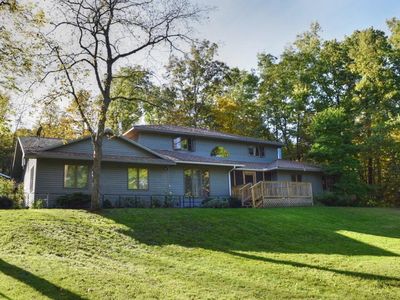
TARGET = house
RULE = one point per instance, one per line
(157, 160)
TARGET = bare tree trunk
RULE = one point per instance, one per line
(97, 141)
(99, 27)
(96, 171)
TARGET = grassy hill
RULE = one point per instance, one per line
(200, 253)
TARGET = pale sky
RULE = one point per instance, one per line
(244, 28)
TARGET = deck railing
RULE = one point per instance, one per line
(281, 193)
(242, 192)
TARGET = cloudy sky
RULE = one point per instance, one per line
(244, 28)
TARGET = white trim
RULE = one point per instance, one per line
(229, 180)
(206, 163)
(278, 168)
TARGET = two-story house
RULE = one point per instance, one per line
(156, 160)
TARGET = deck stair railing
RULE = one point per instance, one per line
(243, 192)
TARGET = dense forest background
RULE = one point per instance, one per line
(335, 103)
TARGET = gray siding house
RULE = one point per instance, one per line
(155, 160)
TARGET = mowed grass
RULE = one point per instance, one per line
(318, 252)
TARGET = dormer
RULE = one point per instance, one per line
(183, 143)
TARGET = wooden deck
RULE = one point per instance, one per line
(274, 194)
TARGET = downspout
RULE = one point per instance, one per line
(229, 181)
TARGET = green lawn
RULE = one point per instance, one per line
(314, 252)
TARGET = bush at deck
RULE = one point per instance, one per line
(333, 199)
(221, 203)
(12, 191)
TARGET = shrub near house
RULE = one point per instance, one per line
(11, 194)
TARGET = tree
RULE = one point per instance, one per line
(375, 97)
(333, 148)
(18, 42)
(97, 36)
(64, 122)
(237, 110)
(135, 91)
(193, 83)
(288, 91)
(6, 136)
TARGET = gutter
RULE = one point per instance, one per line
(277, 168)
(207, 163)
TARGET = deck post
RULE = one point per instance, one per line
(288, 190)
(262, 192)
(253, 197)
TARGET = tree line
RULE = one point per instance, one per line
(332, 102)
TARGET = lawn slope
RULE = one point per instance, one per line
(200, 253)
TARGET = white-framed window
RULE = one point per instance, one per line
(256, 151)
(182, 143)
(197, 183)
(138, 179)
(76, 176)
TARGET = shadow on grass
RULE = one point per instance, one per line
(291, 231)
(387, 279)
(247, 230)
(2, 296)
(41, 285)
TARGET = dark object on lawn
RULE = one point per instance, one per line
(75, 200)
(6, 203)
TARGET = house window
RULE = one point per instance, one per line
(138, 179)
(296, 178)
(183, 143)
(75, 176)
(256, 151)
(219, 151)
(31, 179)
(197, 183)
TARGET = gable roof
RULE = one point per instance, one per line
(33, 144)
(52, 148)
(175, 130)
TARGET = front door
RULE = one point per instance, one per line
(249, 177)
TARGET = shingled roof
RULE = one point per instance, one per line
(190, 131)
(106, 157)
(50, 148)
(35, 144)
(184, 157)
